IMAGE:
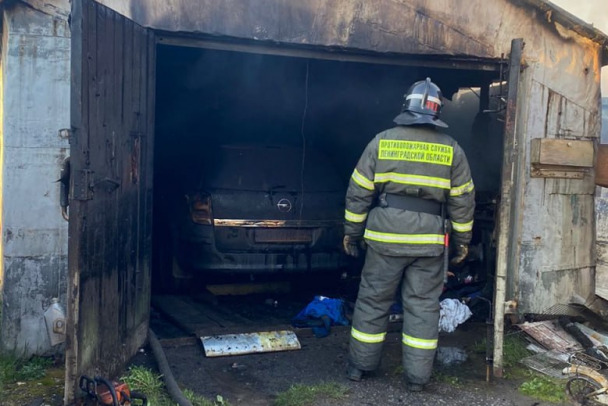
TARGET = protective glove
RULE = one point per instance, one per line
(352, 244)
(462, 251)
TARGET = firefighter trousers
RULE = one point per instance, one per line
(421, 281)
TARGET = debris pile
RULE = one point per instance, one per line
(571, 347)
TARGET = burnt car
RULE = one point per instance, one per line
(260, 210)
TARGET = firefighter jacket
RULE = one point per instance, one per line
(410, 161)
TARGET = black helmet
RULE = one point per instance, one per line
(422, 105)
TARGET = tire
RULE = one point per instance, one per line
(579, 387)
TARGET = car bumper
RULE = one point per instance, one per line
(261, 249)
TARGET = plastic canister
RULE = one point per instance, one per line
(54, 318)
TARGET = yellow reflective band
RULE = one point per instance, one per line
(416, 151)
(461, 190)
(367, 338)
(404, 238)
(462, 227)
(354, 217)
(421, 343)
(362, 180)
(419, 180)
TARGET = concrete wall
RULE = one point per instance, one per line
(36, 94)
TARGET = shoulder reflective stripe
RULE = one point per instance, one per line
(416, 151)
(362, 180)
(441, 183)
(462, 227)
(367, 338)
(354, 217)
(421, 343)
(404, 238)
(461, 190)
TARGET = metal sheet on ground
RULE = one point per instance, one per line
(551, 336)
(550, 363)
(249, 343)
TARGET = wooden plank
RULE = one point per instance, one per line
(562, 152)
(563, 172)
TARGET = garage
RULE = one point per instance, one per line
(299, 102)
(150, 108)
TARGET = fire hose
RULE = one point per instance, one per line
(172, 387)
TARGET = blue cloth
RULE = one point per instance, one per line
(321, 314)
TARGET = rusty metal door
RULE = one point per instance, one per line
(111, 141)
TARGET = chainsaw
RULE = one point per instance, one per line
(110, 393)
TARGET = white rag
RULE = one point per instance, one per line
(451, 314)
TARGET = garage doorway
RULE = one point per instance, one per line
(208, 97)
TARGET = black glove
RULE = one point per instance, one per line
(352, 244)
(462, 251)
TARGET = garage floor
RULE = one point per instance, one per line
(256, 379)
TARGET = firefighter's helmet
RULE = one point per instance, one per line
(422, 105)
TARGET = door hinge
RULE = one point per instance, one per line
(83, 186)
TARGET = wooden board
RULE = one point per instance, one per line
(561, 152)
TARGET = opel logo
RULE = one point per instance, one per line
(284, 205)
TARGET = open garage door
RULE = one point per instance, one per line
(112, 121)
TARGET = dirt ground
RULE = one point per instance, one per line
(256, 380)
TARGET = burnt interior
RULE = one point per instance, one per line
(209, 97)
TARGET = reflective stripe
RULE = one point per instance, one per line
(367, 338)
(354, 217)
(441, 183)
(462, 227)
(404, 238)
(420, 96)
(421, 343)
(362, 180)
(461, 190)
(416, 151)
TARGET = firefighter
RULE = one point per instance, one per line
(411, 185)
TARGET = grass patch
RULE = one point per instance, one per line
(23, 380)
(13, 368)
(514, 350)
(307, 395)
(544, 388)
(149, 383)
